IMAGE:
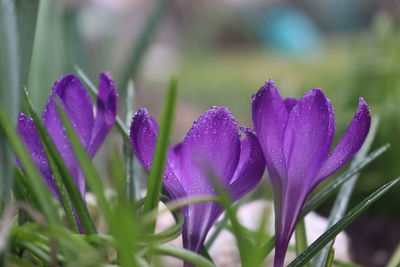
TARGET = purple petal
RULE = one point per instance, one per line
(199, 219)
(308, 136)
(27, 131)
(212, 142)
(250, 168)
(106, 112)
(351, 142)
(269, 116)
(79, 108)
(290, 102)
(143, 138)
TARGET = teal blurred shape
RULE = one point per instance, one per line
(288, 30)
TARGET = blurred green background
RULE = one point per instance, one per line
(222, 51)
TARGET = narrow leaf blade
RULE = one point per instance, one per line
(325, 238)
(160, 154)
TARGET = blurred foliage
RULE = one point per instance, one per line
(376, 76)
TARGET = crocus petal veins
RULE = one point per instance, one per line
(213, 142)
(295, 137)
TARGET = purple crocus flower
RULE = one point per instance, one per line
(212, 141)
(92, 126)
(296, 136)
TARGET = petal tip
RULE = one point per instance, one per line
(221, 111)
(61, 85)
(362, 103)
(267, 89)
(141, 112)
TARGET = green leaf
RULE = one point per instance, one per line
(301, 237)
(10, 88)
(156, 174)
(331, 257)
(244, 243)
(260, 238)
(266, 249)
(176, 205)
(132, 170)
(334, 230)
(64, 180)
(48, 61)
(92, 176)
(121, 222)
(27, 12)
(36, 183)
(395, 259)
(169, 234)
(343, 197)
(183, 254)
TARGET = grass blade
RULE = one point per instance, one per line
(54, 156)
(27, 12)
(343, 197)
(92, 176)
(39, 189)
(395, 259)
(301, 237)
(160, 154)
(47, 62)
(242, 240)
(331, 256)
(334, 230)
(121, 223)
(131, 166)
(10, 85)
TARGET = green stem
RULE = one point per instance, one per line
(301, 237)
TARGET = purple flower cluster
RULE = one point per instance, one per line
(291, 139)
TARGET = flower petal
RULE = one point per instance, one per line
(308, 137)
(269, 116)
(79, 108)
(106, 112)
(350, 143)
(290, 102)
(27, 130)
(213, 141)
(143, 138)
(199, 218)
(250, 168)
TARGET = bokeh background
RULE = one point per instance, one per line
(222, 51)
